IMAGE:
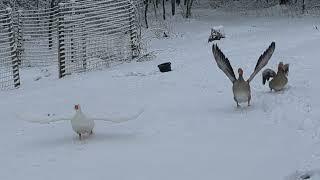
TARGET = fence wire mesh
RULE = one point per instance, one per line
(37, 30)
(9, 70)
(94, 35)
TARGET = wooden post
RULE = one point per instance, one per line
(133, 34)
(73, 14)
(61, 43)
(13, 49)
(51, 24)
(20, 47)
(84, 45)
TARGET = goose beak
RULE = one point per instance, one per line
(76, 107)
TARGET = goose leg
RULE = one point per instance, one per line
(91, 132)
(238, 105)
(236, 101)
(249, 99)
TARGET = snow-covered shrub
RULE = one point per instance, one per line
(216, 33)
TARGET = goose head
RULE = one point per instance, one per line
(77, 107)
(280, 66)
(240, 72)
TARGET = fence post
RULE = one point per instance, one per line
(84, 45)
(133, 33)
(61, 43)
(72, 33)
(51, 24)
(20, 48)
(13, 49)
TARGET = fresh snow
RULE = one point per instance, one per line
(190, 128)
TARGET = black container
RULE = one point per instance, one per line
(165, 67)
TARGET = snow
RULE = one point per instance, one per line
(190, 128)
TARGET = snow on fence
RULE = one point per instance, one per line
(37, 37)
(94, 35)
(79, 35)
(76, 36)
(9, 68)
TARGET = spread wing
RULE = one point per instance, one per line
(263, 60)
(267, 74)
(119, 119)
(223, 62)
(286, 69)
(41, 119)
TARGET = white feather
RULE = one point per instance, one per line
(41, 120)
(119, 119)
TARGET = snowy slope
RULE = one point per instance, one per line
(190, 128)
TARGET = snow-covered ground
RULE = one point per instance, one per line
(190, 128)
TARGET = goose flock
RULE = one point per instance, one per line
(82, 124)
(241, 88)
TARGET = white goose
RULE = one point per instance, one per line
(81, 124)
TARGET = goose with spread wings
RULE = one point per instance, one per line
(81, 124)
(279, 79)
(241, 87)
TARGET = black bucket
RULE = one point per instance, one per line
(165, 67)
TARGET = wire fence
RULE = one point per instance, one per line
(94, 35)
(76, 36)
(37, 37)
(9, 68)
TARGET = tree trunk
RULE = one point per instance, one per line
(145, 12)
(155, 8)
(189, 5)
(164, 10)
(173, 7)
(303, 6)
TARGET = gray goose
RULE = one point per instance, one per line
(279, 79)
(241, 88)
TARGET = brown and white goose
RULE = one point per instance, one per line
(279, 79)
(241, 88)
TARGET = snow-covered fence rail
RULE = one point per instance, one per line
(9, 68)
(95, 34)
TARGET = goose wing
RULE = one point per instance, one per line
(41, 119)
(267, 74)
(118, 119)
(263, 60)
(223, 62)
